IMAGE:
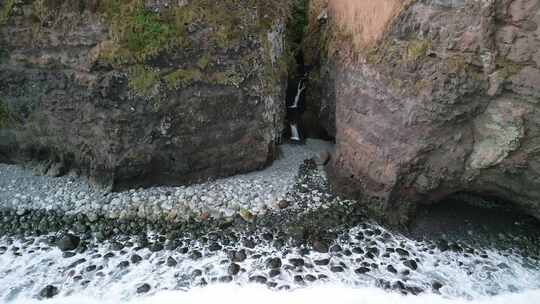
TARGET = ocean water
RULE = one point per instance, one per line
(482, 275)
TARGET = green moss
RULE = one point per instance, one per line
(5, 11)
(228, 78)
(183, 78)
(204, 61)
(416, 49)
(508, 67)
(140, 35)
(143, 80)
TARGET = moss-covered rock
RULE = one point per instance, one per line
(134, 92)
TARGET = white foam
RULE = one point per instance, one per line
(251, 294)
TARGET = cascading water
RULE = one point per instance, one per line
(299, 91)
(295, 111)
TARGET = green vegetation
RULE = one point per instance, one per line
(183, 78)
(416, 49)
(143, 80)
(140, 35)
(508, 67)
(5, 11)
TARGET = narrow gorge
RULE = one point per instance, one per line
(292, 151)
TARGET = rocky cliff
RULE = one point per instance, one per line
(139, 92)
(435, 98)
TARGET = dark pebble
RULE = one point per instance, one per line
(195, 255)
(362, 270)
(322, 262)
(297, 262)
(274, 273)
(233, 269)
(214, 247)
(391, 269)
(48, 292)
(171, 262)
(402, 252)
(273, 263)
(155, 247)
(336, 269)
(258, 279)
(68, 254)
(411, 264)
(144, 288)
(123, 264)
(136, 258)
(68, 242)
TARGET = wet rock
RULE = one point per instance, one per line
(443, 245)
(362, 270)
(196, 273)
(233, 269)
(226, 279)
(135, 258)
(68, 254)
(373, 250)
(249, 243)
(402, 252)
(271, 284)
(358, 250)
(171, 262)
(267, 237)
(215, 247)
(258, 279)
(144, 288)
(195, 255)
(336, 249)
(116, 246)
(76, 263)
(283, 204)
(108, 255)
(391, 269)
(155, 247)
(48, 292)
(298, 279)
(273, 263)
(274, 273)
(68, 242)
(322, 262)
(91, 268)
(337, 269)
(237, 256)
(298, 262)
(123, 264)
(411, 264)
(436, 285)
(310, 278)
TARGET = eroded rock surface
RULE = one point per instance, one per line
(445, 100)
(136, 93)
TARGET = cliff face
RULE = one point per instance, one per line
(139, 92)
(437, 97)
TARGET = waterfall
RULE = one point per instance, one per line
(301, 88)
(295, 135)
